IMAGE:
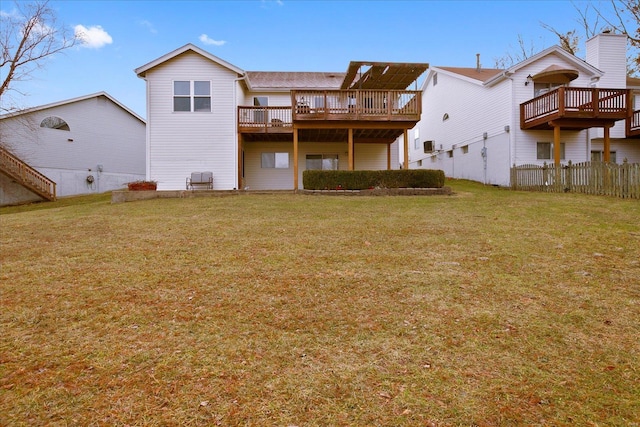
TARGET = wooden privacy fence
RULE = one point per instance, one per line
(600, 178)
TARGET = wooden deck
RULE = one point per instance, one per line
(357, 105)
(327, 109)
(575, 108)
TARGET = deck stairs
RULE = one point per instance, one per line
(26, 176)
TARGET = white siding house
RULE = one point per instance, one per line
(471, 117)
(249, 127)
(90, 144)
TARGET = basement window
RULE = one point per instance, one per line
(598, 156)
(53, 122)
(544, 151)
(275, 161)
(322, 162)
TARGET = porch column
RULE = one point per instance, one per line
(295, 159)
(240, 165)
(351, 150)
(556, 145)
(606, 156)
(406, 149)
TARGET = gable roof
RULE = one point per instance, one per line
(287, 80)
(580, 64)
(141, 71)
(71, 101)
(480, 74)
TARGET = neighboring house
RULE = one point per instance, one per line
(261, 130)
(89, 144)
(552, 107)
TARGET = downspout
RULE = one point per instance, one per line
(237, 138)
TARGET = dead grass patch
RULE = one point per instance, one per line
(491, 308)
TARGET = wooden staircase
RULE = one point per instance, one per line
(26, 176)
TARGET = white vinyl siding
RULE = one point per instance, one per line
(100, 132)
(183, 143)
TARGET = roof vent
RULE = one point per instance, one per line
(477, 62)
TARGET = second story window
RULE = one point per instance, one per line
(191, 95)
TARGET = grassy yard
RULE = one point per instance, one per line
(487, 308)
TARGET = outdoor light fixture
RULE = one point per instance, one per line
(529, 80)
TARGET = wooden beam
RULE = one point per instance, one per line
(406, 148)
(295, 159)
(556, 145)
(607, 145)
(351, 151)
(240, 165)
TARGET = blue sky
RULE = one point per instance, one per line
(284, 35)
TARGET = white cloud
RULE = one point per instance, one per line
(208, 40)
(149, 26)
(93, 37)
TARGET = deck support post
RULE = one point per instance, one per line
(240, 162)
(388, 156)
(556, 145)
(351, 151)
(295, 159)
(406, 148)
(606, 156)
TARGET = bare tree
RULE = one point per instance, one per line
(29, 34)
(619, 16)
(523, 52)
(568, 41)
(623, 17)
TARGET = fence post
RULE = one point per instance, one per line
(569, 178)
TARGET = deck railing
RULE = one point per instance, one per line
(576, 102)
(26, 175)
(597, 178)
(633, 124)
(264, 117)
(356, 104)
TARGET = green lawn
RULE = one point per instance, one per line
(487, 308)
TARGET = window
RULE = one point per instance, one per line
(450, 153)
(53, 122)
(322, 162)
(191, 95)
(416, 139)
(275, 160)
(544, 151)
(419, 163)
(465, 149)
(598, 156)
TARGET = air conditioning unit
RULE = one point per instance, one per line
(428, 146)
